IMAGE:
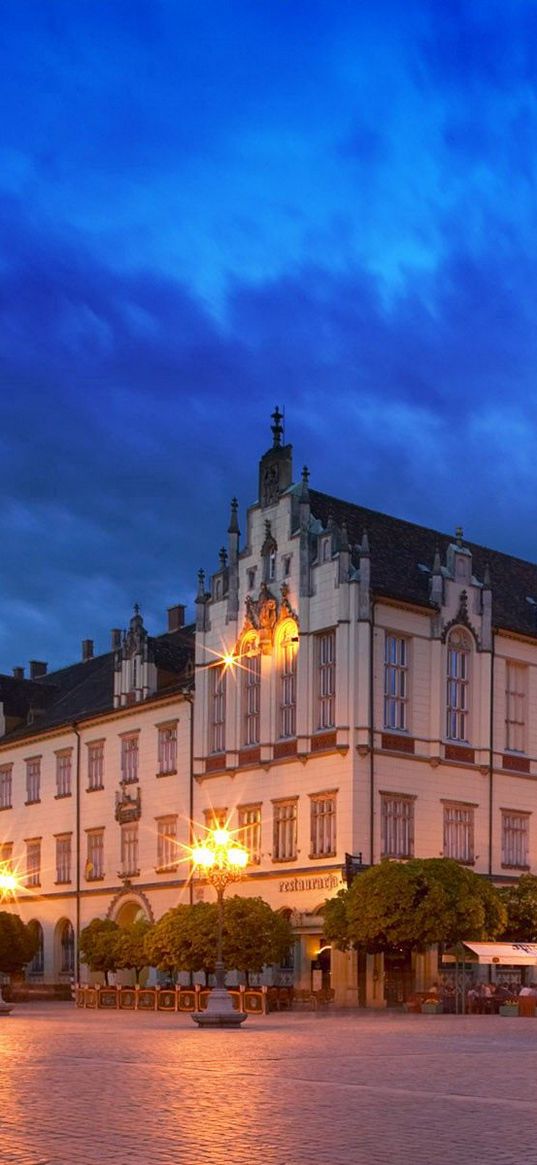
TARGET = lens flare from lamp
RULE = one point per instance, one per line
(237, 856)
(203, 856)
(8, 883)
(221, 836)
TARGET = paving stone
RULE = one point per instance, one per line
(83, 1088)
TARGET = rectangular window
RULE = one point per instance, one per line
(63, 857)
(167, 749)
(326, 671)
(287, 653)
(63, 773)
(216, 818)
(515, 839)
(251, 692)
(285, 830)
(459, 833)
(33, 862)
(217, 689)
(250, 831)
(129, 759)
(96, 764)
(515, 707)
(33, 779)
(95, 855)
(6, 778)
(129, 850)
(395, 683)
(167, 852)
(458, 690)
(397, 826)
(323, 825)
(6, 857)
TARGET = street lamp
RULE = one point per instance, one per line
(221, 860)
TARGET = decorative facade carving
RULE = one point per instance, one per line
(128, 806)
(265, 613)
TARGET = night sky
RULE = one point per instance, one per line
(210, 208)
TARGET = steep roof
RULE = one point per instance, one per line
(86, 688)
(400, 550)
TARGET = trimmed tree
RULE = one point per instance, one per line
(18, 943)
(184, 939)
(130, 946)
(98, 946)
(254, 935)
(520, 901)
(413, 905)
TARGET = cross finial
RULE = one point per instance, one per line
(277, 427)
(459, 535)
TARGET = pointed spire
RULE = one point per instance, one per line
(277, 427)
(364, 545)
(222, 554)
(304, 495)
(437, 565)
(344, 542)
(459, 534)
(201, 584)
(486, 577)
(233, 527)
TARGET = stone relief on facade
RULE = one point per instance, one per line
(265, 613)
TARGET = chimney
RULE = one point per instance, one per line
(116, 639)
(87, 649)
(176, 617)
(37, 668)
(18, 673)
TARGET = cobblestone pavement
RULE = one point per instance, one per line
(88, 1088)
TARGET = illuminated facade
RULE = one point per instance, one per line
(363, 687)
(95, 793)
(378, 704)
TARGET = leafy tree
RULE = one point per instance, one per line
(336, 923)
(98, 945)
(18, 943)
(184, 939)
(130, 948)
(414, 904)
(520, 901)
(254, 934)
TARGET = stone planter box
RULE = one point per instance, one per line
(508, 1009)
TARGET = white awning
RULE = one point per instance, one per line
(505, 954)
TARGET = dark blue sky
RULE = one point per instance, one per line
(212, 207)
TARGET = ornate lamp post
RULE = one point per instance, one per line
(221, 860)
(8, 886)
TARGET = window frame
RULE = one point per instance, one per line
(515, 706)
(515, 838)
(396, 681)
(397, 825)
(323, 824)
(285, 829)
(325, 666)
(459, 651)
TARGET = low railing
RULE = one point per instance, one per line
(252, 1000)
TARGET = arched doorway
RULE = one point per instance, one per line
(64, 949)
(36, 969)
(125, 911)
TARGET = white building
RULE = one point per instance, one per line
(364, 687)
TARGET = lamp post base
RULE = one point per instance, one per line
(219, 1011)
(5, 1008)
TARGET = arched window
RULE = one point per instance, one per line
(287, 650)
(251, 690)
(67, 949)
(37, 966)
(459, 648)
